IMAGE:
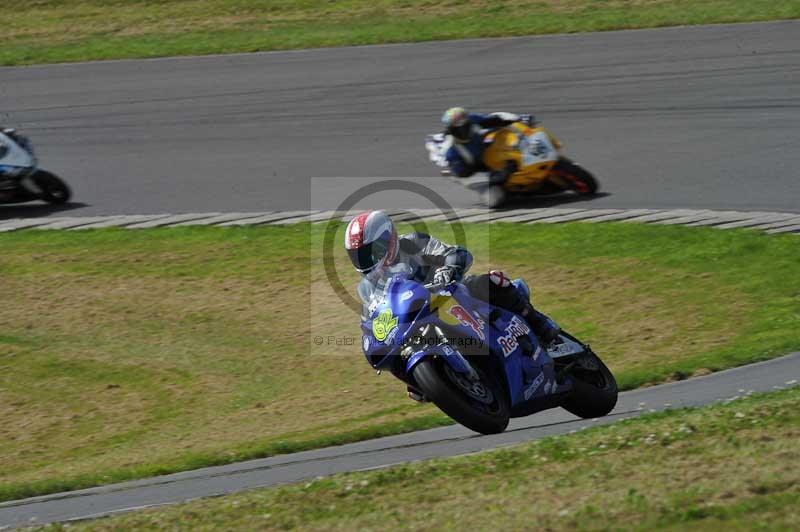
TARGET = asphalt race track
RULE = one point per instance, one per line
(696, 117)
(702, 117)
(727, 385)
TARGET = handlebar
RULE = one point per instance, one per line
(431, 287)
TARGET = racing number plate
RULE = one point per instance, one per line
(537, 148)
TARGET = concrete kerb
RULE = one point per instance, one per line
(771, 222)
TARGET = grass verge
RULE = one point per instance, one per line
(125, 354)
(48, 31)
(721, 467)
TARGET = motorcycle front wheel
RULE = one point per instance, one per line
(594, 388)
(53, 189)
(478, 405)
(576, 177)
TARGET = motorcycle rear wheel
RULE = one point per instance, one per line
(491, 418)
(54, 189)
(594, 388)
(577, 178)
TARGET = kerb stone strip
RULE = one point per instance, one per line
(771, 222)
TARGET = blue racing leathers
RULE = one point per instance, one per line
(466, 157)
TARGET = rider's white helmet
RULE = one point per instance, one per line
(456, 122)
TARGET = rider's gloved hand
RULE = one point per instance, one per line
(445, 275)
(528, 120)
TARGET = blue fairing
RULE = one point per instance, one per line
(405, 309)
(450, 354)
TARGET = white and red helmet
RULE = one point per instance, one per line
(371, 241)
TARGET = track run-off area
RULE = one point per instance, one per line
(693, 126)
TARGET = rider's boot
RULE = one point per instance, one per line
(498, 177)
(545, 329)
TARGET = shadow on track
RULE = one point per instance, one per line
(8, 212)
(554, 200)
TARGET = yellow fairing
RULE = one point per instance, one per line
(505, 145)
(444, 304)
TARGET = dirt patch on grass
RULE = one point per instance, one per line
(636, 314)
(160, 366)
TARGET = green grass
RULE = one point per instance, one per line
(125, 354)
(728, 467)
(77, 30)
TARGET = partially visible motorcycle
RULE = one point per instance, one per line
(21, 179)
(542, 169)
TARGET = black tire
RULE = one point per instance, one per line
(432, 378)
(54, 190)
(577, 178)
(594, 392)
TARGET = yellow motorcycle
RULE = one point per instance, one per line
(541, 169)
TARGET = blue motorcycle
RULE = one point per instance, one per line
(480, 364)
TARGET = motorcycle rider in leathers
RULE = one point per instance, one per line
(374, 249)
(464, 144)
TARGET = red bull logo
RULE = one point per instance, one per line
(467, 320)
(508, 342)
